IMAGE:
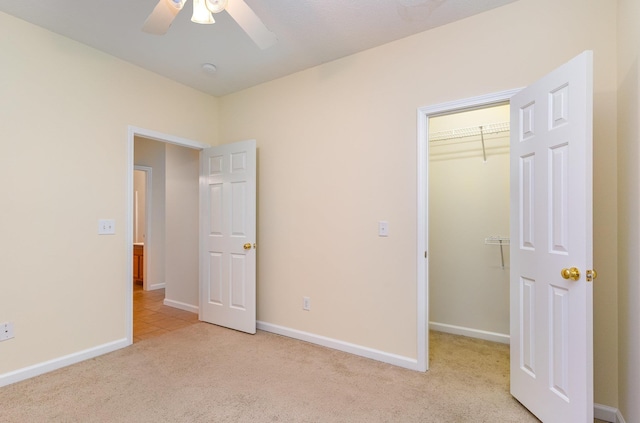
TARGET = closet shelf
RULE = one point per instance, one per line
(497, 240)
(471, 131)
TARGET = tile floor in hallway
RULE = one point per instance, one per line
(152, 318)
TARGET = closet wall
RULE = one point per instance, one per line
(468, 203)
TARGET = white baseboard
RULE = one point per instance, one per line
(57, 363)
(155, 286)
(385, 357)
(606, 413)
(180, 305)
(472, 333)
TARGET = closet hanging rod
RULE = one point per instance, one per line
(470, 131)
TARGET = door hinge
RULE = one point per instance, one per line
(425, 254)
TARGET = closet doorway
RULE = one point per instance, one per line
(468, 173)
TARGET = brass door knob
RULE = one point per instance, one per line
(247, 246)
(572, 273)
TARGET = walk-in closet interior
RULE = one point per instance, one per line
(469, 223)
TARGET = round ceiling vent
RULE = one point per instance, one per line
(209, 68)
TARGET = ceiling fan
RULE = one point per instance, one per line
(165, 12)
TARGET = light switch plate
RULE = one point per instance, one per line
(383, 228)
(106, 227)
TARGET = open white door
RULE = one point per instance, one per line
(228, 236)
(551, 230)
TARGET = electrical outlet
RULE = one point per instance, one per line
(306, 303)
(106, 227)
(6, 331)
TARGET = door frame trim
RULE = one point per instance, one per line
(132, 132)
(422, 284)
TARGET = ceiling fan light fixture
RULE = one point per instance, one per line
(201, 14)
(216, 6)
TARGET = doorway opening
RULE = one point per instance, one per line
(469, 222)
(170, 237)
(426, 116)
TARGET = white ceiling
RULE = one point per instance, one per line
(310, 32)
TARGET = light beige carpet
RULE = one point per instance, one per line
(205, 373)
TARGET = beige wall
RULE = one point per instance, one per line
(629, 208)
(337, 147)
(65, 110)
(152, 153)
(468, 202)
(182, 226)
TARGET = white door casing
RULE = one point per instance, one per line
(551, 229)
(228, 236)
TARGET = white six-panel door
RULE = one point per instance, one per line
(228, 236)
(551, 230)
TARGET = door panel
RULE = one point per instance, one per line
(527, 326)
(551, 217)
(527, 188)
(558, 199)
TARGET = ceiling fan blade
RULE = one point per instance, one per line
(251, 23)
(162, 16)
